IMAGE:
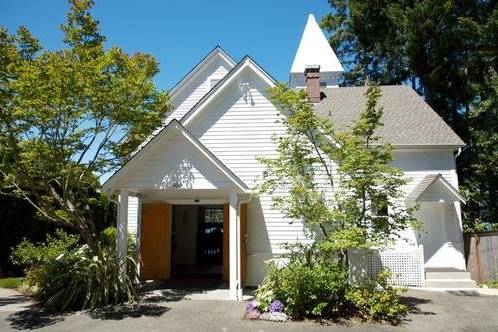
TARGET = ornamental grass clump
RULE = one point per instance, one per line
(64, 275)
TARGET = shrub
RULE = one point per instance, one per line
(492, 284)
(45, 267)
(378, 300)
(30, 255)
(64, 275)
(305, 290)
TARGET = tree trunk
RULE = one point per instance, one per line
(87, 231)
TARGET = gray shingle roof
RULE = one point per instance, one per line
(407, 118)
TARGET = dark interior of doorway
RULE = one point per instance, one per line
(197, 241)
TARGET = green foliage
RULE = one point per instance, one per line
(492, 284)
(64, 275)
(306, 290)
(313, 286)
(34, 255)
(49, 264)
(94, 282)
(448, 51)
(108, 238)
(340, 216)
(362, 210)
(70, 116)
(378, 300)
(481, 185)
(11, 282)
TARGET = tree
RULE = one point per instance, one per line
(444, 49)
(362, 209)
(482, 183)
(69, 116)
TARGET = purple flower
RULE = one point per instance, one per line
(252, 306)
(253, 314)
(276, 306)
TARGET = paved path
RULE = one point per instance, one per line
(12, 301)
(430, 311)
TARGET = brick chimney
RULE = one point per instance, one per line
(312, 74)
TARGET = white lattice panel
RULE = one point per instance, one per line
(407, 267)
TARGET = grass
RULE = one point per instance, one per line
(492, 284)
(11, 282)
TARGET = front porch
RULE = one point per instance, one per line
(175, 169)
(171, 242)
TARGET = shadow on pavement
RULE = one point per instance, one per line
(414, 303)
(13, 299)
(33, 317)
(463, 293)
(128, 311)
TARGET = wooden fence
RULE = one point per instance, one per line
(481, 254)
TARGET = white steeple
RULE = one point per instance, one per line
(314, 50)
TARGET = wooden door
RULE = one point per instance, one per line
(243, 243)
(155, 242)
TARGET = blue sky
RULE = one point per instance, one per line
(180, 33)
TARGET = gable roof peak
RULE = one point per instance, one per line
(216, 51)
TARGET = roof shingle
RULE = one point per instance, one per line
(407, 118)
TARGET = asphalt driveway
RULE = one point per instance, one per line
(171, 311)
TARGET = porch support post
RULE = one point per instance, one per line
(458, 211)
(122, 228)
(234, 234)
(139, 232)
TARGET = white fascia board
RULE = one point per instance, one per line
(247, 63)
(450, 188)
(418, 147)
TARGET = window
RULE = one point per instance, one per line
(213, 214)
(380, 212)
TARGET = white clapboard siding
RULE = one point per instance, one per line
(198, 86)
(238, 128)
(133, 217)
(193, 90)
(175, 163)
(416, 165)
(132, 214)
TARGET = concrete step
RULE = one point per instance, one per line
(448, 275)
(450, 283)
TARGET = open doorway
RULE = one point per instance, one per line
(197, 241)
